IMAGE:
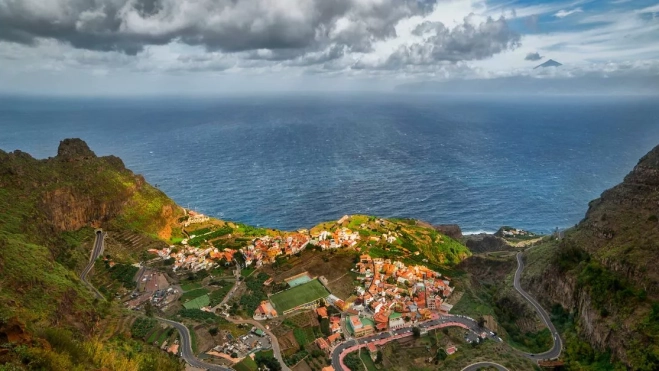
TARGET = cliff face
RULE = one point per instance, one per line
(76, 189)
(606, 270)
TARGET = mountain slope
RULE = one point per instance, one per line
(48, 319)
(606, 270)
(549, 63)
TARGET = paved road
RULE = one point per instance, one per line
(273, 339)
(96, 252)
(555, 351)
(479, 365)
(186, 348)
(406, 331)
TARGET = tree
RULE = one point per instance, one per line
(268, 361)
(416, 332)
(353, 362)
(378, 358)
(481, 321)
(148, 309)
(441, 355)
(213, 331)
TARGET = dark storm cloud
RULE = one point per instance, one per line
(227, 25)
(533, 57)
(462, 43)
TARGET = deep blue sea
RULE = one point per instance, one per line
(291, 161)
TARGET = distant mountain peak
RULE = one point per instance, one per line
(549, 63)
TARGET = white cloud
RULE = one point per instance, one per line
(650, 9)
(602, 41)
(564, 13)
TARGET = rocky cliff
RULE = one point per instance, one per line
(76, 189)
(606, 269)
(483, 242)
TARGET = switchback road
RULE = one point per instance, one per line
(96, 252)
(555, 351)
(186, 347)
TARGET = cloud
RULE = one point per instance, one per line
(564, 13)
(533, 57)
(227, 25)
(467, 41)
(531, 22)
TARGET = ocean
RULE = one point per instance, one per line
(291, 161)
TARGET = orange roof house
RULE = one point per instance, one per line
(322, 344)
(322, 312)
(334, 338)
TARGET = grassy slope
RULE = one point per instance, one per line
(46, 207)
(416, 241)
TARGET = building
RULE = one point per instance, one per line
(396, 321)
(445, 308)
(358, 328)
(265, 311)
(372, 351)
(334, 338)
(322, 345)
(451, 350)
(321, 312)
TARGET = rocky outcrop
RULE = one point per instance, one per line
(451, 230)
(77, 189)
(479, 243)
(74, 149)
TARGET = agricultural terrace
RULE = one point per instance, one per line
(298, 296)
(197, 303)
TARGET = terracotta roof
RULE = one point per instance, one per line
(322, 343)
(322, 311)
(332, 338)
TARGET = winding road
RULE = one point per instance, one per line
(96, 252)
(479, 365)
(186, 347)
(556, 349)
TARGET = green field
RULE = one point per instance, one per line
(198, 303)
(189, 295)
(298, 295)
(247, 364)
(190, 286)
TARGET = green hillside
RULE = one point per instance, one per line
(48, 208)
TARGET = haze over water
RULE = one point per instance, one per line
(292, 161)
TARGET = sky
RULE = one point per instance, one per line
(142, 47)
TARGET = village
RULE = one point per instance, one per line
(261, 250)
(387, 295)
